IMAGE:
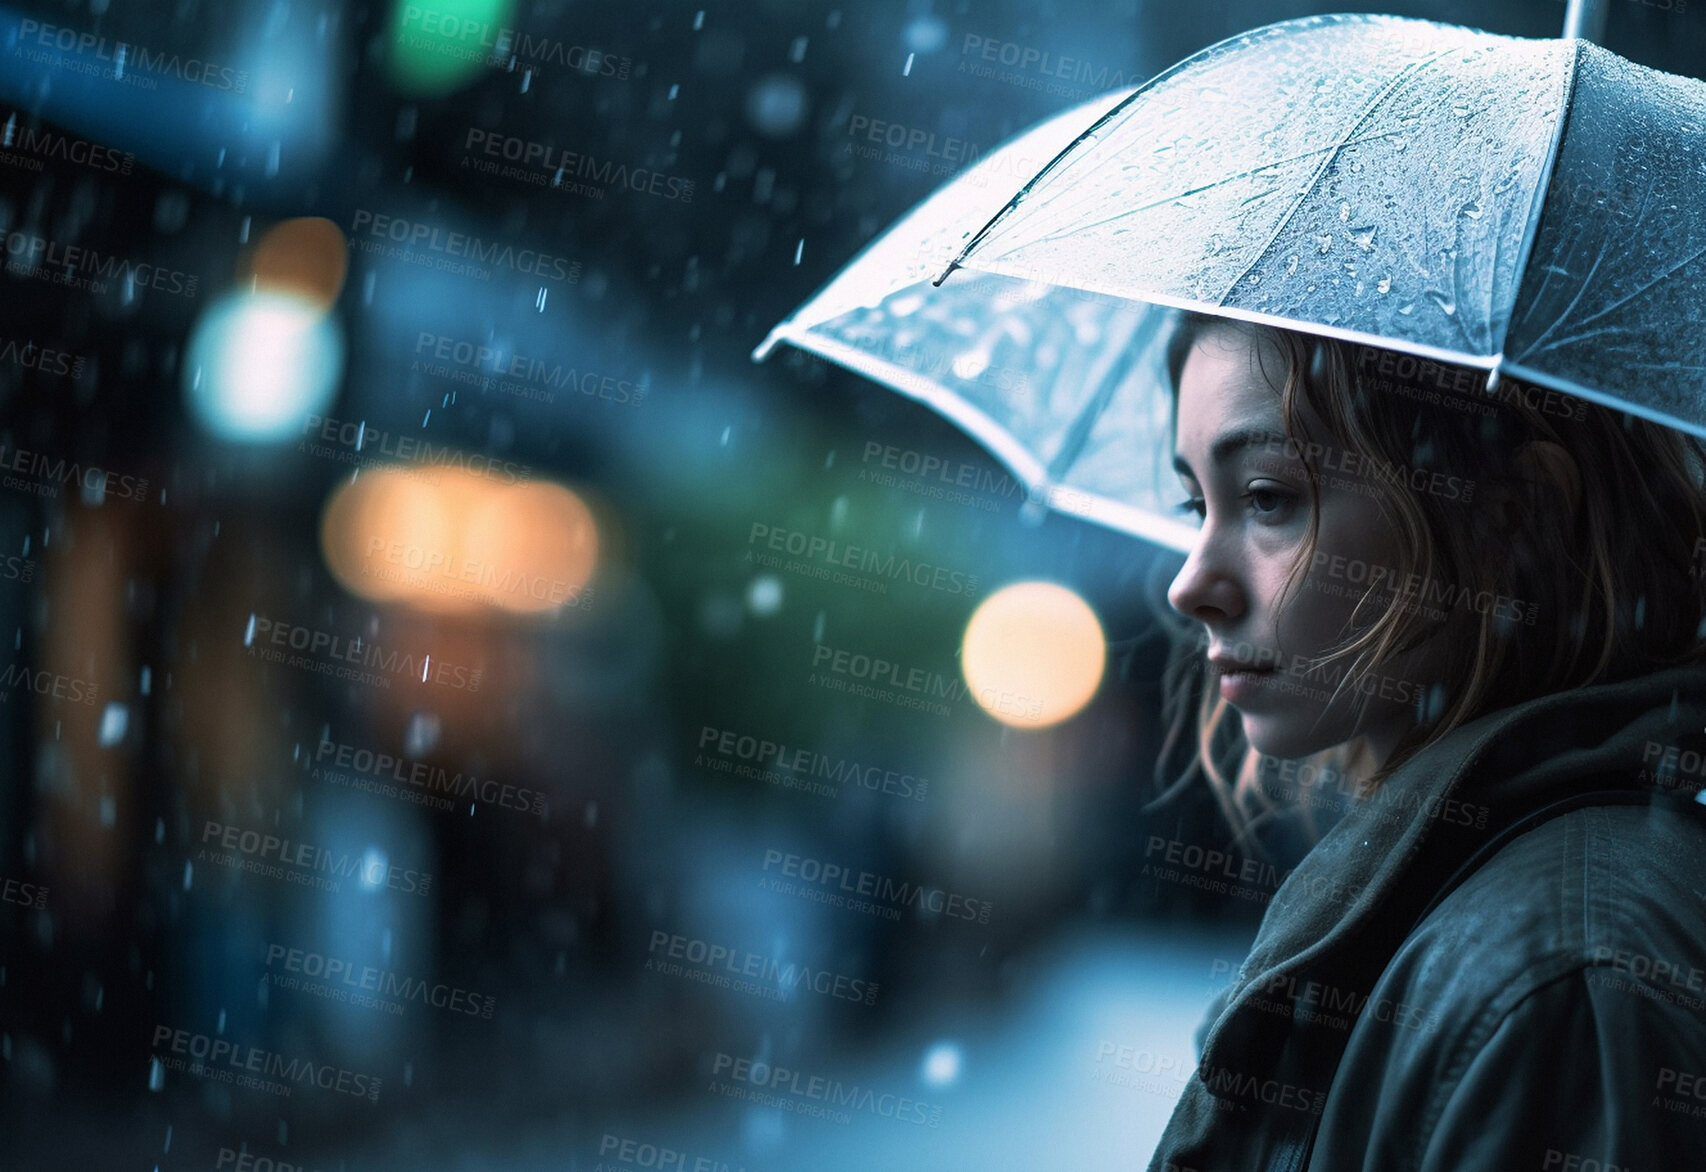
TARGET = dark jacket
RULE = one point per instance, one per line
(1548, 1013)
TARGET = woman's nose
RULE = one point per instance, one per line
(1204, 589)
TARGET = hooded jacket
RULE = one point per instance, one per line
(1548, 1013)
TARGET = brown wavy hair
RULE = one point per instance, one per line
(1601, 563)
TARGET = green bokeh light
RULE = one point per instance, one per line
(440, 45)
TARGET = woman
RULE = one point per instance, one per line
(1485, 606)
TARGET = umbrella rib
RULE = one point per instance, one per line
(1581, 291)
(1124, 355)
(1075, 227)
(1333, 150)
(1493, 280)
(1624, 300)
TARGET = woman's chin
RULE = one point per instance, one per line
(1280, 738)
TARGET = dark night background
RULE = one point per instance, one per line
(602, 707)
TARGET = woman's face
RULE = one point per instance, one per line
(1250, 488)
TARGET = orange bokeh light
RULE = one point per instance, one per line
(305, 257)
(443, 539)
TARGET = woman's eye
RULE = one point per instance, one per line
(1267, 502)
(1192, 505)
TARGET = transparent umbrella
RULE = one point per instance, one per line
(1534, 208)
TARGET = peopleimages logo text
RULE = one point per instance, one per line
(559, 162)
(345, 656)
(807, 763)
(83, 267)
(36, 143)
(848, 881)
(922, 683)
(133, 58)
(285, 858)
(832, 552)
(482, 40)
(45, 475)
(350, 982)
(418, 237)
(217, 1054)
(434, 780)
(831, 1092)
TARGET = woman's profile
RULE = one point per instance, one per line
(1485, 605)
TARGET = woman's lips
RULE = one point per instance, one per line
(1241, 684)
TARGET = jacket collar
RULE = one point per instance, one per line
(1343, 911)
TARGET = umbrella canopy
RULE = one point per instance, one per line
(1536, 207)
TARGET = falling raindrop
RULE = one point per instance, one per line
(422, 735)
(764, 595)
(115, 719)
(941, 1068)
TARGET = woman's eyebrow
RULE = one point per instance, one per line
(1229, 443)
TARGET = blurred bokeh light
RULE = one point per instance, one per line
(1033, 654)
(438, 47)
(260, 363)
(447, 539)
(306, 256)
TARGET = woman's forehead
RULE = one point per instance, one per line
(1223, 388)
